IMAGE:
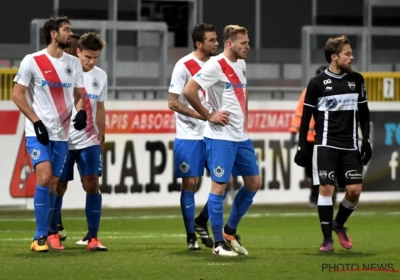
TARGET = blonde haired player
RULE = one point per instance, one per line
(228, 147)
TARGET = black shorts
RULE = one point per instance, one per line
(327, 162)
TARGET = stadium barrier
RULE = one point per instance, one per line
(6, 82)
(138, 157)
(382, 86)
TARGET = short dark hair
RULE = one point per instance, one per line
(91, 41)
(335, 45)
(199, 31)
(53, 23)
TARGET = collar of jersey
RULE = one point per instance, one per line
(329, 73)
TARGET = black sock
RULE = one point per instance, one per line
(229, 230)
(314, 194)
(343, 214)
(325, 217)
(190, 236)
(325, 213)
(201, 220)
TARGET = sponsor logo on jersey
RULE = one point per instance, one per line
(56, 85)
(234, 85)
(91, 96)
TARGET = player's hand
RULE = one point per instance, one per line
(219, 118)
(80, 120)
(41, 132)
(366, 151)
(301, 156)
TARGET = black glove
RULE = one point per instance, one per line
(80, 120)
(41, 132)
(301, 156)
(366, 151)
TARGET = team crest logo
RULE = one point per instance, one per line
(352, 85)
(219, 171)
(95, 84)
(35, 154)
(184, 167)
(68, 71)
(322, 174)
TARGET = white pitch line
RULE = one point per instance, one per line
(250, 215)
(107, 237)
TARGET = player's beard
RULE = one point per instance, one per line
(65, 45)
(237, 54)
(208, 53)
(345, 69)
(211, 53)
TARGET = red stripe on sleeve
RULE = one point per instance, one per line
(193, 68)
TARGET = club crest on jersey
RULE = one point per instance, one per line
(184, 167)
(95, 84)
(68, 71)
(352, 85)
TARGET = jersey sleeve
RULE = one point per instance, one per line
(363, 94)
(312, 94)
(79, 76)
(104, 92)
(208, 75)
(25, 72)
(180, 76)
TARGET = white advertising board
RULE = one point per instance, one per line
(138, 158)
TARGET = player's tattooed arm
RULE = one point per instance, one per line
(176, 105)
(18, 96)
(79, 99)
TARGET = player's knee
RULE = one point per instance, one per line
(218, 188)
(354, 191)
(189, 184)
(44, 174)
(44, 178)
(91, 184)
(326, 190)
(252, 183)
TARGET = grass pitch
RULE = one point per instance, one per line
(150, 244)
